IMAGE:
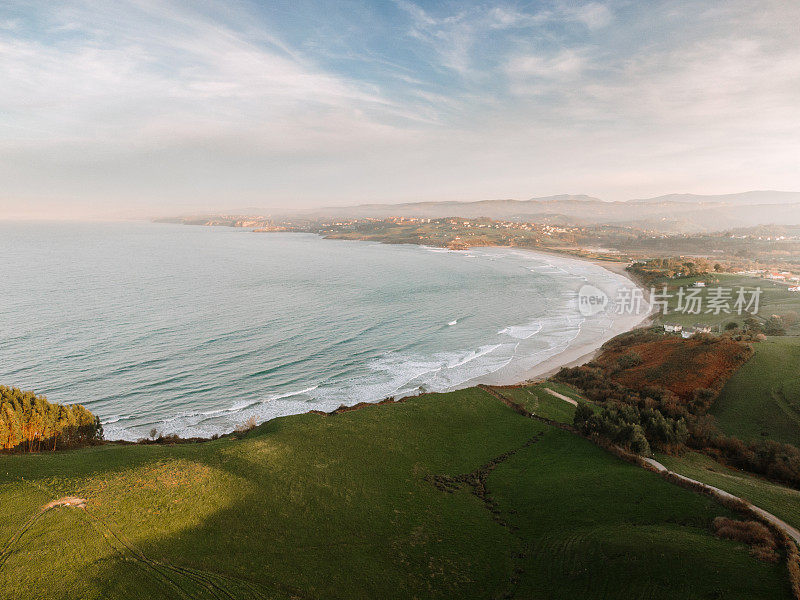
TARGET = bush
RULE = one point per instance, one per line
(620, 425)
(774, 326)
(248, 425)
(582, 414)
(756, 535)
(629, 360)
(667, 422)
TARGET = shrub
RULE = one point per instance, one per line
(756, 535)
(248, 425)
(582, 414)
(629, 360)
(774, 326)
(669, 422)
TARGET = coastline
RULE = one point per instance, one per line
(588, 340)
(580, 352)
(587, 354)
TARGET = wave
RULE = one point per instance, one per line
(257, 365)
(522, 332)
(116, 419)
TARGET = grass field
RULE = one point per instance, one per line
(762, 399)
(536, 400)
(781, 501)
(775, 299)
(441, 496)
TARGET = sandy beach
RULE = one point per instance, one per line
(581, 351)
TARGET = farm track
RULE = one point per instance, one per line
(560, 396)
(658, 467)
(780, 400)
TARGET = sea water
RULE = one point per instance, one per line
(195, 330)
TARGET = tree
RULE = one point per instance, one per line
(582, 414)
(30, 422)
(638, 442)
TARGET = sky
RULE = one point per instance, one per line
(138, 108)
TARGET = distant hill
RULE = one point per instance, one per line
(673, 213)
(748, 198)
(496, 209)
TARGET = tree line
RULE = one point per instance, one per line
(654, 418)
(30, 423)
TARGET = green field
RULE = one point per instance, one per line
(441, 496)
(762, 399)
(781, 501)
(536, 400)
(775, 299)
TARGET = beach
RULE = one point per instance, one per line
(582, 353)
(304, 323)
(587, 344)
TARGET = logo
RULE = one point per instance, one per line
(591, 300)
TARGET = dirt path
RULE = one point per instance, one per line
(657, 466)
(561, 396)
(213, 585)
(71, 501)
(718, 493)
(8, 548)
(477, 481)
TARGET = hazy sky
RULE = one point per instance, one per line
(116, 108)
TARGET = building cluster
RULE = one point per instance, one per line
(688, 332)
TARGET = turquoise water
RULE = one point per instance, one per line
(193, 330)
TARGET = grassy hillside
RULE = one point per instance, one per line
(762, 399)
(781, 501)
(447, 495)
(538, 401)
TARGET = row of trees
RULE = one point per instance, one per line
(656, 269)
(654, 418)
(632, 428)
(30, 423)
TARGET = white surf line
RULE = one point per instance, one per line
(715, 491)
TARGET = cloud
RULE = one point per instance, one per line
(565, 63)
(169, 72)
(593, 15)
(9, 24)
(164, 103)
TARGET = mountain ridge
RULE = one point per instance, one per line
(671, 213)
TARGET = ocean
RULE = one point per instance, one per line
(195, 330)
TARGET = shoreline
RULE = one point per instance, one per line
(580, 353)
(619, 268)
(577, 351)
